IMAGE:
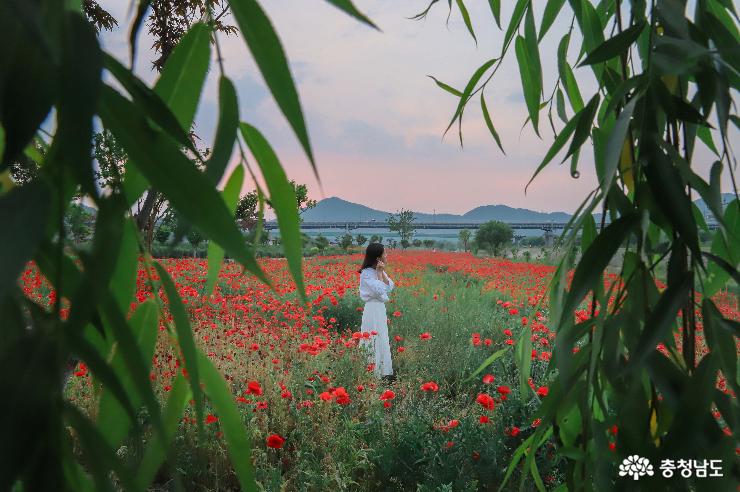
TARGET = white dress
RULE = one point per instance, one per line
(375, 294)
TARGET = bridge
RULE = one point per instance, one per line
(548, 228)
(351, 225)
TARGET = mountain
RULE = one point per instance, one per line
(509, 214)
(336, 209)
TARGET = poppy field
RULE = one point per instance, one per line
(318, 418)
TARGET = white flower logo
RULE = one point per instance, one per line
(636, 467)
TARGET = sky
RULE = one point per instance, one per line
(376, 120)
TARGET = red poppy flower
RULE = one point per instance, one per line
(430, 386)
(488, 379)
(485, 400)
(254, 388)
(542, 391)
(425, 336)
(211, 419)
(503, 391)
(484, 419)
(275, 441)
(514, 431)
(387, 395)
(396, 313)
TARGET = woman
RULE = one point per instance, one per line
(375, 285)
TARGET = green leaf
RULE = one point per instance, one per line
(516, 19)
(523, 358)
(136, 364)
(469, 89)
(496, 11)
(527, 72)
(29, 78)
(347, 7)
(706, 136)
(123, 282)
(231, 423)
(615, 46)
(226, 132)
(146, 98)
(489, 123)
(571, 89)
(215, 252)
(668, 190)
(141, 10)
(446, 87)
(167, 169)
(661, 320)
(184, 338)
(156, 451)
(489, 360)
(615, 144)
(23, 215)
(595, 259)
(533, 53)
(726, 248)
(270, 58)
(583, 128)
(99, 455)
(721, 341)
(283, 199)
(112, 421)
(552, 9)
(116, 395)
(558, 144)
(560, 105)
(184, 74)
(79, 86)
(466, 18)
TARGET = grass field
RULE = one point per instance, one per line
(318, 419)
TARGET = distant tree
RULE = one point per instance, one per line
(360, 240)
(402, 223)
(24, 169)
(162, 234)
(375, 238)
(194, 238)
(79, 222)
(111, 159)
(247, 213)
(464, 237)
(416, 243)
(493, 235)
(345, 241)
(404, 243)
(428, 243)
(301, 196)
(321, 242)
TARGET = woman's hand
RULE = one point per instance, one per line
(380, 266)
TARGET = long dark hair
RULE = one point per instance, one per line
(373, 252)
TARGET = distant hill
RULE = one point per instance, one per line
(336, 209)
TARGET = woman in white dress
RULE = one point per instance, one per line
(375, 285)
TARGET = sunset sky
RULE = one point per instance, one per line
(376, 120)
